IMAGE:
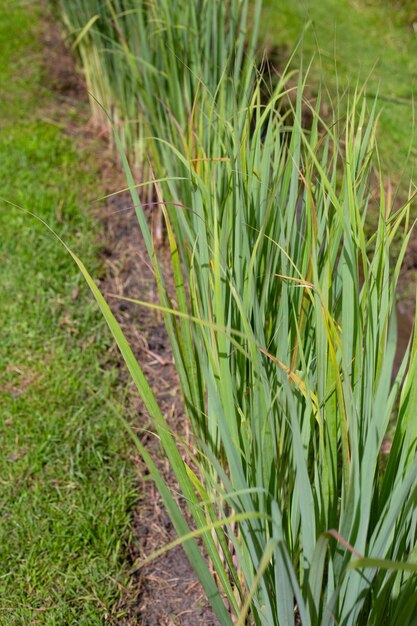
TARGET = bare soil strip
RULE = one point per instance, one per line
(165, 593)
(167, 590)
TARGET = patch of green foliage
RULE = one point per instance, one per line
(66, 489)
(358, 41)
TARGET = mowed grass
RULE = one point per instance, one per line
(353, 42)
(66, 488)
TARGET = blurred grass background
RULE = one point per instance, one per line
(353, 41)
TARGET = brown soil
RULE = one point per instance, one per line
(166, 592)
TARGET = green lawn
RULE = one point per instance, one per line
(355, 40)
(66, 490)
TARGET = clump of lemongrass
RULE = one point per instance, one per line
(287, 373)
(284, 354)
(285, 360)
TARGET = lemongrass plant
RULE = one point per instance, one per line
(286, 368)
(285, 360)
(283, 330)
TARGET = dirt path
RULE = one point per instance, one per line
(167, 592)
